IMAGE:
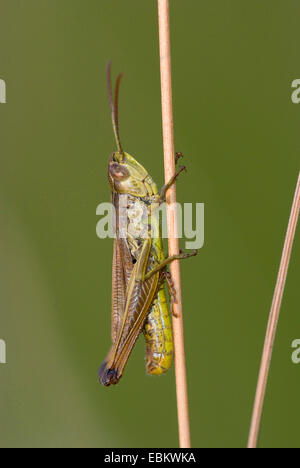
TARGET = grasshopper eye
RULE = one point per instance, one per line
(119, 172)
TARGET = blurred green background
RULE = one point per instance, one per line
(233, 64)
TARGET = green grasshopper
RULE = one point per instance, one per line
(139, 265)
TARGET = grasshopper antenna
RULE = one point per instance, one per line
(114, 105)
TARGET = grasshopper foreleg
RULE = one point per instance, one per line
(178, 156)
(162, 195)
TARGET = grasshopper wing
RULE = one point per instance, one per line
(121, 270)
(139, 297)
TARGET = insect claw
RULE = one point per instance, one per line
(178, 155)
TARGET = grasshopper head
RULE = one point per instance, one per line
(126, 175)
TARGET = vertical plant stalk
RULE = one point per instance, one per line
(273, 321)
(169, 164)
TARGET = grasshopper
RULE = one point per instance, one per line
(139, 271)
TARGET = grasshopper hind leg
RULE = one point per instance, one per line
(172, 291)
(158, 335)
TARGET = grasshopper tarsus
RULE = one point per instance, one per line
(192, 254)
(184, 254)
(178, 155)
